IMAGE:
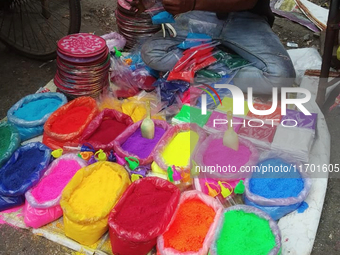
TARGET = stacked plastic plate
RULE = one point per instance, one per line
(83, 63)
(134, 27)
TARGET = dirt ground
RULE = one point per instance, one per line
(20, 76)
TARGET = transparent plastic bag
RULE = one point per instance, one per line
(278, 207)
(114, 39)
(127, 242)
(10, 202)
(21, 171)
(121, 139)
(95, 125)
(9, 141)
(248, 209)
(230, 174)
(55, 138)
(78, 225)
(31, 128)
(213, 203)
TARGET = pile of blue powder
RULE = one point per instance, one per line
(20, 171)
(276, 184)
(37, 109)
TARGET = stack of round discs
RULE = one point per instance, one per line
(83, 63)
(134, 27)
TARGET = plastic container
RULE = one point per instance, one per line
(88, 199)
(30, 113)
(153, 214)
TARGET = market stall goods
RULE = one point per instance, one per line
(192, 227)
(68, 123)
(88, 199)
(42, 201)
(141, 215)
(30, 113)
(246, 230)
(22, 171)
(9, 141)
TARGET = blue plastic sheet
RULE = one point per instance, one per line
(31, 128)
(24, 169)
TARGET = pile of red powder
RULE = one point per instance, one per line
(144, 208)
(72, 121)
(108, 130)
(190, 227)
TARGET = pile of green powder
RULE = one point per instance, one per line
(5, 139)
(244, 233)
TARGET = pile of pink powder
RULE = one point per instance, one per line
(51, 186)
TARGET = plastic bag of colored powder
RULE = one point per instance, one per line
(31, 112)
(88, 199)
(277, 193)
(131, 143)
(141, 215)
(42, 201)
(22, 171)
(189, 114)
(212, 153)
(9, 141)
(103, 129)
(193, 225)
(68, 123)
(246, 230)
(177, 146)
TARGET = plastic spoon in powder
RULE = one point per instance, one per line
(148, 126)
(230, 138)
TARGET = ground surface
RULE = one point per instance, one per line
(21, 76)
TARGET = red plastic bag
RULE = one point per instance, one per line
(103, 129)
(133, 232)
(68, 123)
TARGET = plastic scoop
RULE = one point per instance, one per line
(57, 153)
(230, 138)
(148, 126)
(133, 162)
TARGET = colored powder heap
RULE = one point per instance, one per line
(107, 131)
(179, 150)
(142, 147)
(144, 209)
(21, 170)
(96, 191)
(5, 139)
(51, 186)
(37, 109)
(190, 227)
(276, 184)
(244, 233)
(217, 153)
(71, 121)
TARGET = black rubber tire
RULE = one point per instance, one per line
(74, 27)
